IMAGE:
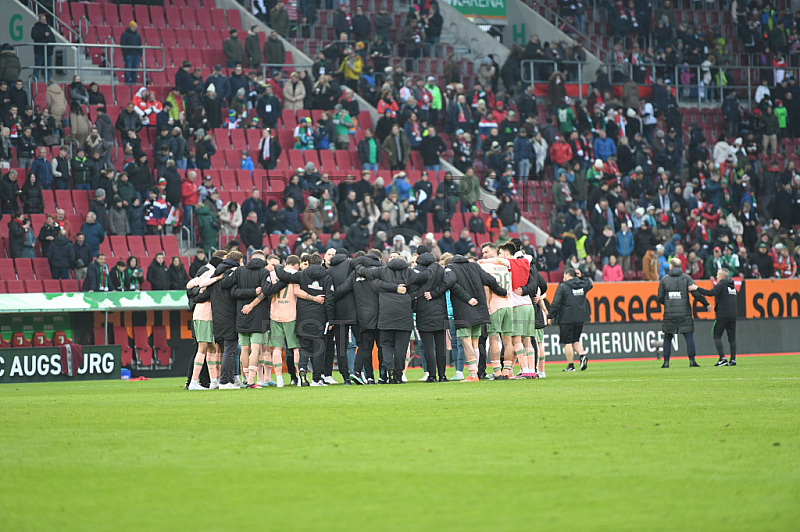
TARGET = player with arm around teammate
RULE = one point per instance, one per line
(725, 308)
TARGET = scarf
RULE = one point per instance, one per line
(265, 148)
(104, 278)
(133, 278)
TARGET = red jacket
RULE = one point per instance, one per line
(560, 153)
(189, 194)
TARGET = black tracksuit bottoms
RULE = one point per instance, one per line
(312, 349)
(395, 347)
(720, 326)
(434, 341)
(229, 361)
(366, 342)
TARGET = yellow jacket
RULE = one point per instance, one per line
(352, 67)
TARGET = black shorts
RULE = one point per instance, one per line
(570, 333)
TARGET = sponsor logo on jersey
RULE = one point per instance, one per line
(315, 285)
(675, 295)
(577, 292)
(732, 291)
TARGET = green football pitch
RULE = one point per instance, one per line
(622, 446)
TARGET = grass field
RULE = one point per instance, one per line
(623, 446)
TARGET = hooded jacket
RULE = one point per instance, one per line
(223, 304)
(673, 293)
(470, 280)
(570, 304)
(243, 283)
(365, 294)
(432, 314)
(725, 299)
(395, 309)
(311, 316)
(340, 270)
(60, 254)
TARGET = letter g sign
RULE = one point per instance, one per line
(15, 28)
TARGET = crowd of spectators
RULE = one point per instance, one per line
(627, 189)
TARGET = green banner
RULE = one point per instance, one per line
(94, 301)
(43, 364)
(481, 11)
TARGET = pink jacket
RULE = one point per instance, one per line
(612, 274)
(202, 311)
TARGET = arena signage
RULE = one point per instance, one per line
(773, 299)
(630, 341)
(45, 364)
(493, 11)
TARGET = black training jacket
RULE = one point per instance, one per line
(570, 304)
(432, 314)
(724, 293)
(673, 293)
(311, 316)
(242, 284)
(365, 294)
(395, 309)
(340, 270)
(470, 280)
(223, 305)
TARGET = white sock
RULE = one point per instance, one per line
(525, 370)
(195, 381)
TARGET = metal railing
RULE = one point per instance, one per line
(108, 51)
(743, 79)
(58, 23)
(557, 20)
(539, 71)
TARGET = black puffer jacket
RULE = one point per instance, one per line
(570, 304)
(223, 305)
(432, 314)
(311, 316)
(395, 309)
(673, 293)
(158, 276)
(242, 284)
(470, 280)
(365, 294)
(340, 270)
(725, 296)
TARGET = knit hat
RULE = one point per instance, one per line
(132, 24)
(422, 249)
(117, 199)
(231, 113)
(164, 180)
(342, 251)
(212, 88)
(186, 64)
(99, 193)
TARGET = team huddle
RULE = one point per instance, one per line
(308, 307)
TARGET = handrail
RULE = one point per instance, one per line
(556, 19)
(80, 68)
(36, 7)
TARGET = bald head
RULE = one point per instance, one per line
(675, 263)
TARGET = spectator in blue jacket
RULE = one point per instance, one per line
(523, 151)
(94, 232)
(604, 147)
(714, 191)
(663, 263)
(132, 55)
(42, 169)
(624, 246)
(402, 185)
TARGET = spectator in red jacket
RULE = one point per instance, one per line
(189, 196)
(560, 152)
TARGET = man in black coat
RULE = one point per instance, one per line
(16, 235)
(673, 293)
(357, 238)
(246, 284)
(570, 310)
(274, 219)
(223, 305)
(313, 317)
(250, 232)
(42, 35)
(725, 308)
(158, 273)
(344, 319)
(394, 318)
(431, 309)
(60, 256)
(98, 278)
(470, 310)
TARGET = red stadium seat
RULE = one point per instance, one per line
(152, 244)
(40, 340)
(18, 340)
(162, 350)
(24, 269)
(169, 243)
(121, 338)
(52, 286)
(70, 285)
(144, 353)
(34, 287)
(60, 338)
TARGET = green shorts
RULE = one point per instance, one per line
(246, 339)
(524, 321)
(469, 332)
(539, 336)
(502, 323)
(203, 331)
(282, 333)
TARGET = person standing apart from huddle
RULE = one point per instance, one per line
(725, 307)
(570, 310)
